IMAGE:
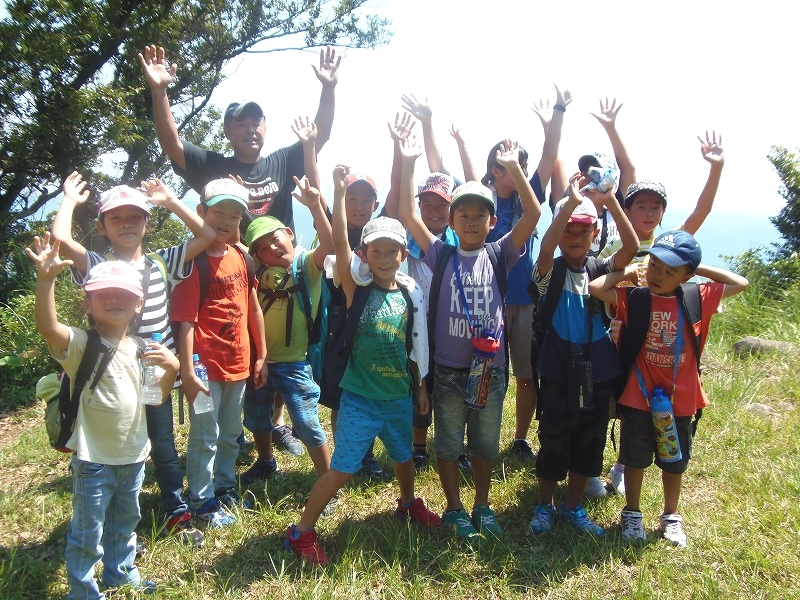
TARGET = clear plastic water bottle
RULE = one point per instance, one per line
(668, 446)
(150, 391)
(202, 402)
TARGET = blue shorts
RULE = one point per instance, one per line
(295, 382)
(361, 420)
(451, 415)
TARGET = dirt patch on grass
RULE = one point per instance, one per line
(13, 424)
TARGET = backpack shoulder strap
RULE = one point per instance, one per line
(692, 304)
(410, 321)
(357, 307)
(301, 287)
(497, 258)
(249, 263)
(437, 280)
(203, 269)
(554, 289)
(632, 333)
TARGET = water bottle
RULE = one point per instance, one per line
(484, 349)
(150, 391)
(202, 402)
(668, 447)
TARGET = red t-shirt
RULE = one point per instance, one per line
(221, 336)
(656, 359)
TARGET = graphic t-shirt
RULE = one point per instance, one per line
(111, 427)
(269, 180)
(221, 335)
(378, 366)
(484, 302)
(656, 360)
(276, 316)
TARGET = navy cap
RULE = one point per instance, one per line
(644, 186)
(677, 248)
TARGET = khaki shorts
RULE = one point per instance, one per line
(520, 335)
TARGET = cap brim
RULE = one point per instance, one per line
(123, 202)
(388, 235)
(667, 256)
(116, 285)
(456, 201)
(586, 219)
(441, 195)
(221, 197)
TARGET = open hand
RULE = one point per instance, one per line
(48, 263)
(328, 71)
(305, 129)
(76, 188)
(608, 113)
(157, 193)
(159, 73)
(508, 154)
(403, 124)
(711, 148)
(410, 148)
(419, 108)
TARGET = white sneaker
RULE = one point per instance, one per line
(672, 526)
(631, 523)
(595, 488)
(617, 475)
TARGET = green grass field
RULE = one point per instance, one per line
(740, 509)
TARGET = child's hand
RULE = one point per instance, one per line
(157, 193)
(419, 108)
(328, 72)
(711, 149)
(456, 133)
(508, 154)
(161, 356)
(48, 263)
(308, 196)
(575, 196)
(608, 114)
(159, 73)
(305, 130)
(75, 188)
(545, 112)
(340, 173)
(632, 273)
(402, 126)
(410, 149)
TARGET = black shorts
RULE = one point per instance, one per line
(637, 441)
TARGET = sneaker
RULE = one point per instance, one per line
(672, 528)
(459, 522)
(284, 441)
(421, 460)
(214, 514)
(146, 587)
(305, 546)
(464, 462)
(485, 521)
(180, 527)
(258, 471)
(595, 488)
(578, 518)
(631, 523)
(372, 470)
(521, 450)
(230, 498)
(617, 476)
(331, 506)
(418, 513)
(140, 549)
(543, 518)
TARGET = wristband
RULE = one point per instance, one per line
(560, 107)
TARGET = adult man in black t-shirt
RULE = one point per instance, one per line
(268, 178)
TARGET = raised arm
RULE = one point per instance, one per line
(341, 242)
(328, 75)
(48, 266)
(311, 198)
(711, 149)
(552, 236)
(159, 75)
(607, 117)
(75, 192)
(403, 124)
(508, 158)
(604, 286)
(630, 241)
(733, 283)
(552, 121)
(410, 151)
(422, 111)
(203, 234)
(470, 172)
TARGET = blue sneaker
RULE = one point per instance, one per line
(543, 518)
(460, 523)
(578, 518)
(485, 521)
(230, 498)
(213, 514)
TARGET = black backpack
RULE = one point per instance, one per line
(62, 410)
(342, 331)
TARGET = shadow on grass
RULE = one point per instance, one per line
(30, 570)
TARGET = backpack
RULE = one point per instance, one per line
(341, 333)
(62, 409)
(497, 258)
(317, 327)
(633, 333)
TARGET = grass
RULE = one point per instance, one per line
(740, 508)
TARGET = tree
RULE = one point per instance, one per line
(787, 220)
(72, 93)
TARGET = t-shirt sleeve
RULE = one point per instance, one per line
(433, 251)
(178, 268)
(512, 254)
(198, 164)
(536, 185)
(92, 259)
(542, 281)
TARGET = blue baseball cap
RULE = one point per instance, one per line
(677, 248)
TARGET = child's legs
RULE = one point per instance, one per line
(483, 436)
(322, 492)
(295, 382)
(168, 470)
(421, 423)
(201, 450)
(92, 487)
(122, 516)
(359, 422)
(450, 419)
(396, 435)
(518, 328)
(230, 426)
(259, 407)
(672, 472)
(672, 491)
(404, 472)
(552, 461)
(637, 445)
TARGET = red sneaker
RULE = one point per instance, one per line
(418, 513)
(305, 546)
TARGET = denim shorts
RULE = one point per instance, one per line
(637, 441)
(520, 336)
(361, 420)
(451, 415)
(295, 382)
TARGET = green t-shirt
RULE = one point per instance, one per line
(275, 317)
(378, 365)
